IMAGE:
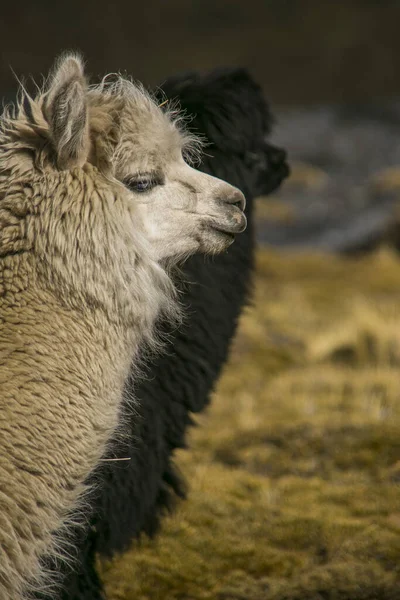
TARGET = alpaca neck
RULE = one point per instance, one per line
(61, 380)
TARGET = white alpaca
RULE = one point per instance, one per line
(95, 201)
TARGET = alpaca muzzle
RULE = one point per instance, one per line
(236, 219)
(233, 220)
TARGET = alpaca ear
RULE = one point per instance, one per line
(67, 113)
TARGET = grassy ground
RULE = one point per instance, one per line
(295, 470)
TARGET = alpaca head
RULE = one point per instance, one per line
(183, 210)
(134, 148)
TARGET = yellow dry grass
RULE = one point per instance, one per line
(295, 470)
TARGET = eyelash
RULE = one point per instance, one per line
(142, 183)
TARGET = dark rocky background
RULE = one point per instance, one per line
(344, 190)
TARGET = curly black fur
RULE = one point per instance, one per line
(228, 108)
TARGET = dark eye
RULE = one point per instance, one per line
(142, 183)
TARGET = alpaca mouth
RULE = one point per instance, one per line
(227, 234)
(237, 223)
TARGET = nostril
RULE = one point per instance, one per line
(237, 199)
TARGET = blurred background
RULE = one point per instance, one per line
(295, 493)
(302, 51)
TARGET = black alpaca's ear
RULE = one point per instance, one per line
(67, 113)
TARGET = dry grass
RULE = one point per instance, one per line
(295, 470)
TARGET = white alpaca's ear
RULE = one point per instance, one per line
(67, 113)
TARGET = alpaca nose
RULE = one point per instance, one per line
(276, 155)
(236, 198)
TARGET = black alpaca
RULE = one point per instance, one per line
(228, 108)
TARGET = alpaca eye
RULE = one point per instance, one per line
(143, 184)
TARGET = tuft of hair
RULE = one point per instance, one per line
(193, 144)
(118, 89)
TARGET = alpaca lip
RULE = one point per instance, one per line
(237, 224)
